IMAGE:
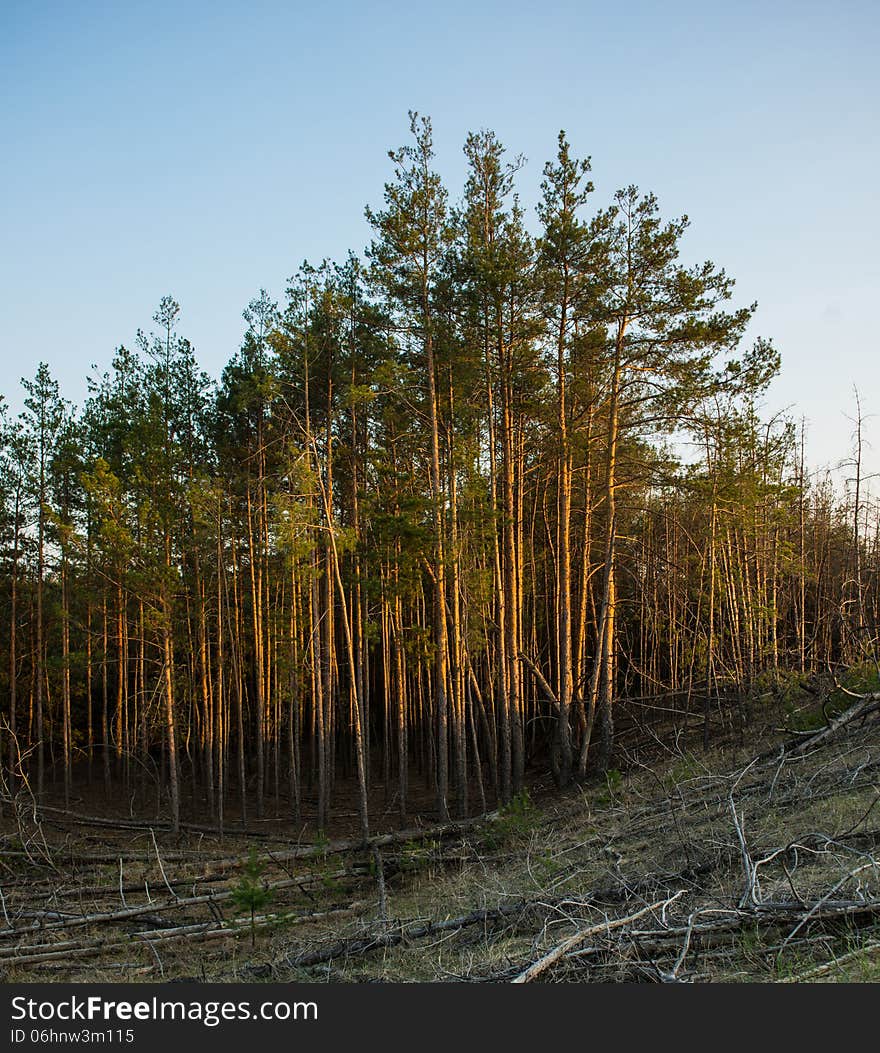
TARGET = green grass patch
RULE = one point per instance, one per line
(515, 820)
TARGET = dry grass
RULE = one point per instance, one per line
(519, 884)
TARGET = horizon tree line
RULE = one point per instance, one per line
(431, 527)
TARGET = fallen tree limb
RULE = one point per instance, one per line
(561, 949)
(834, 963)
(197, 931)
(302, 851)
(416, 930)
(128, 913)
(403, 934)
(865, 705)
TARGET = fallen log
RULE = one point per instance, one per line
(403, 934)
(866, 705)
(196, 931)
(128, 913)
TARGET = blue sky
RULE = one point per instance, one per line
(206, 149)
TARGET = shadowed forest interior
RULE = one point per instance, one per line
(458, 507)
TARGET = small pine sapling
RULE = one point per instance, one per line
(251, 892)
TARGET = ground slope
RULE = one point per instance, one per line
(720, 866)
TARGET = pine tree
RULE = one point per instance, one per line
(42, 422)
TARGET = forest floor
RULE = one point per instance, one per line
(706, 866)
